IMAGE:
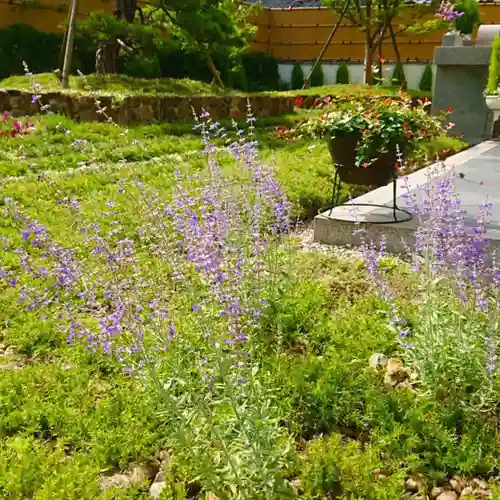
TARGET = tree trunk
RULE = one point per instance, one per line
(105, 58)
(107, 53)
(370, 50)
(371, 45)
(68, 54)
(215, 73)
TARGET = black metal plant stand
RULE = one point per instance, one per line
(337, 184)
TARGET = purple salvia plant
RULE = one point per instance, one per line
(180, 294)
(457, 292)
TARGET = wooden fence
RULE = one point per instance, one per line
(299, 34)
(287, 34)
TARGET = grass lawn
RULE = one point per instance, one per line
(67, 416)
(125, 85)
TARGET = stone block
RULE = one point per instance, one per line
(460, 79)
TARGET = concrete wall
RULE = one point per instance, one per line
(413, 72)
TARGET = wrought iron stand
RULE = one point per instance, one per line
(337, 184)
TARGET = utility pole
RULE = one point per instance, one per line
(70, 38)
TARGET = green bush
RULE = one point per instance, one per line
(141, 66)
(470, 18)
(40, 50)
(317, 78)
(261, 71)
(237, 78)
(494, 69)
(343, 74)
(425, 84)
(398, 75)
(297, 76)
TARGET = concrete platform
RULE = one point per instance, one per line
(479, 181)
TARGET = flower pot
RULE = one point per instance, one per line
(452, 40)
(493, 102)
(378, 173)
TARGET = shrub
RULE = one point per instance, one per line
(40, 50)
(297, 81)
(237, 78)
(457, 291)
(376, 124)
(262, 72)
(398, 75)
(171, 302)
(470, 17)
(342, 74)
(425, 84)
(494, 68)
(140, 66)
(317, 78)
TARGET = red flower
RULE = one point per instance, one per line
(235, 113)
(298, 101)
(381, 59)
(450, 109)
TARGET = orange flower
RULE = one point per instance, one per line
(450, 109)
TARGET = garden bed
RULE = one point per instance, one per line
(346, 414)
(129, 100)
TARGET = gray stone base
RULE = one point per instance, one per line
(480, 166)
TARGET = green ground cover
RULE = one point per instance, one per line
(125, 85)
(68, 416)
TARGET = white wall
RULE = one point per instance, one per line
(413, 72)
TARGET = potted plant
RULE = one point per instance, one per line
(449, 14)
(492, 92)
(364, 136)
(468, 20)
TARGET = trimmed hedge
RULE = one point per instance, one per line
(426, 79)
(398, 75)
(41, 52)
(297, 76)
(317, 77)
(342, 74)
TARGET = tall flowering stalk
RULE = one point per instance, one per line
(453, 339)
(176, 298)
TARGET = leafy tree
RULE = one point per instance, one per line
(377, 19)
(209, 26)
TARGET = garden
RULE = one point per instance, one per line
(169, 330)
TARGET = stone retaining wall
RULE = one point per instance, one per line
(135, 109)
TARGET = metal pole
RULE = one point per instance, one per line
(327, 43)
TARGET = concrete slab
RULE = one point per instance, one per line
(478, 180)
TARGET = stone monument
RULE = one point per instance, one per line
(460, 79)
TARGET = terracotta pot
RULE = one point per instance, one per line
(343, 153)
